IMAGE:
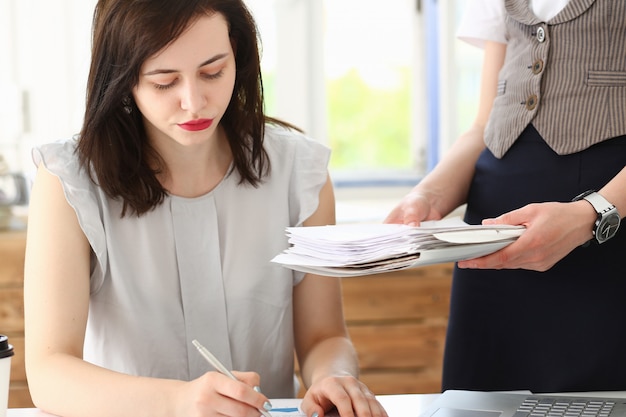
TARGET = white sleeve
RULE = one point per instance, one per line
(483, 20)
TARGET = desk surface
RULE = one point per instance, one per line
(396, 406)
(399, 405)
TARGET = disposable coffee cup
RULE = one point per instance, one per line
(6, 351)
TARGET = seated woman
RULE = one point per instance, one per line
(155, 226)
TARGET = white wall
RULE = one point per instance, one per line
(46, 45)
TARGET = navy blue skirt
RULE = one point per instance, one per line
(560, 330)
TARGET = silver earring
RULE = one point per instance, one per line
(127, 105)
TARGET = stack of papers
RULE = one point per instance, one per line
(365, 249)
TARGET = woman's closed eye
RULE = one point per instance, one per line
(205, 75)
(213, 76)
(165, 86)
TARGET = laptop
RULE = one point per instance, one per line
(457, 403)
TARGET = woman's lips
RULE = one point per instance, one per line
(196, 125)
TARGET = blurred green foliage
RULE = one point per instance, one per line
(368, 127)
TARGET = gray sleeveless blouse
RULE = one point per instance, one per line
(196, 268)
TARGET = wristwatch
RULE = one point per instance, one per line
(608, 220)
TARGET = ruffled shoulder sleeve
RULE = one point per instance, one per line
(87, 200)
(301, 164)
(305, 163)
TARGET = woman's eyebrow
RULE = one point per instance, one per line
(170, 71)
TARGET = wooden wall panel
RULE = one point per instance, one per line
(397, 322)
(12, 247)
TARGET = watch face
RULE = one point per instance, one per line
(608, 227)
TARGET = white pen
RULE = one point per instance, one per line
(220, 367)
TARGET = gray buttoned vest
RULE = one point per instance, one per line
(566, 76)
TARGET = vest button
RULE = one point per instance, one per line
(537, 66)
(541, 34)
(531, 102)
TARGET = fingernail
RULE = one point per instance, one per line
(257, 388)
(267, 405)
(315, 414)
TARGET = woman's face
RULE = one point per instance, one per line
(184, 89)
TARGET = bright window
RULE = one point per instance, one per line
(368, 60)
(387, 86)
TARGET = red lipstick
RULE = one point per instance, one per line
(196, 125)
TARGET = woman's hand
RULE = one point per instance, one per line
(552, 231)
(214, 394)
(349, 395)
(412, 210)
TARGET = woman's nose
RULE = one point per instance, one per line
(193, 99)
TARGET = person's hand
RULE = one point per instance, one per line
(412, 210)
(552, 231)
(349, 395)
(214, 394)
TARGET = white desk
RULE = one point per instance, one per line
(396, 406)
(400, 405)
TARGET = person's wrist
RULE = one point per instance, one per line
(588, 217)
(607, 217)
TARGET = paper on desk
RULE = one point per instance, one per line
(287, 407)
(290, 407)
(364, 249)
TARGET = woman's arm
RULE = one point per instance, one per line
(553, 230)
(318, 314)
(56, 305)
(445, 188)
(328, 361)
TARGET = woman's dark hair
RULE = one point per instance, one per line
(113, 146)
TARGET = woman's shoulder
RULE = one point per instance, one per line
(83, 195)
(300, 164)
(61, 159)
(279, 132)
(58, 156)
(279, 138)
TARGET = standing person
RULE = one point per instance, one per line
(544, 313)
(155, 226)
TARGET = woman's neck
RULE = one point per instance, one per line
(192, 171)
